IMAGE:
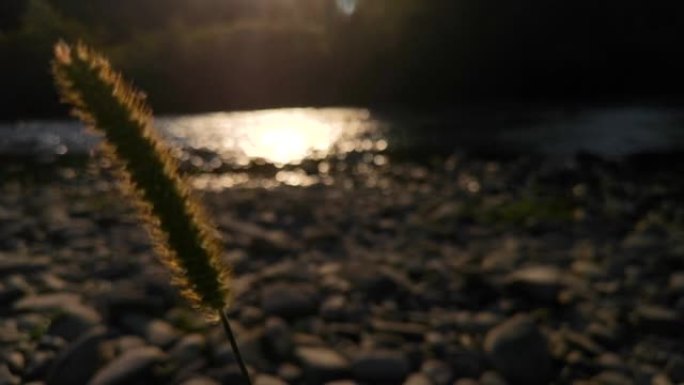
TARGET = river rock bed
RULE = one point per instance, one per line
(457, 271)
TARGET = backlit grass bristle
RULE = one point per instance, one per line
(182, 235)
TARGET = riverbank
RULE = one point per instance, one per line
(456, 270)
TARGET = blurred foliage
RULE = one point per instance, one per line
(193, 55)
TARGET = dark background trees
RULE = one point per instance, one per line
(200, 55)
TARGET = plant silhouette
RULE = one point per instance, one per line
(182, 235)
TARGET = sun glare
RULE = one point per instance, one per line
(279, 137)
(283, 137)
(347, 7)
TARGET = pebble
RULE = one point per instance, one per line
(410, 331)
(334, 308)
(659, 320)
(322, 364)
(133, 365)
(6, 377)
(380, 366)
(675, 368)
(200, 380)
(264, 379)
(47, 302)
(326, 309)
(38, 365)
(188, 348)
(156, 331)
(466, 381)
(519, 351)
(278, 338)
(612, 378)
(22, 265)
(78, 363)
(73, 321)
(439, 372)
(542, 283)
(492, 378)
(676, 283)
(289, 300)
(418, 379)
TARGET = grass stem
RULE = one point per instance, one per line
(234, 345)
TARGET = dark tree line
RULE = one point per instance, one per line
(199, 55)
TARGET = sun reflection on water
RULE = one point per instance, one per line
(282, 138)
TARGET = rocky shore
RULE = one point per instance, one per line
(459, 271)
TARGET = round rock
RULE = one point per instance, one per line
(519, 351)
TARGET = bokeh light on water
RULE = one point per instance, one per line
(227, 147)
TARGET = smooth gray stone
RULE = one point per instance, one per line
(78, 363)
(519, 351)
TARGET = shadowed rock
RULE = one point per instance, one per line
(78, 363)
(519, 351)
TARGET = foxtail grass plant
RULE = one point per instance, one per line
(182, 235)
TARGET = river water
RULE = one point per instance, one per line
(224, 143)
